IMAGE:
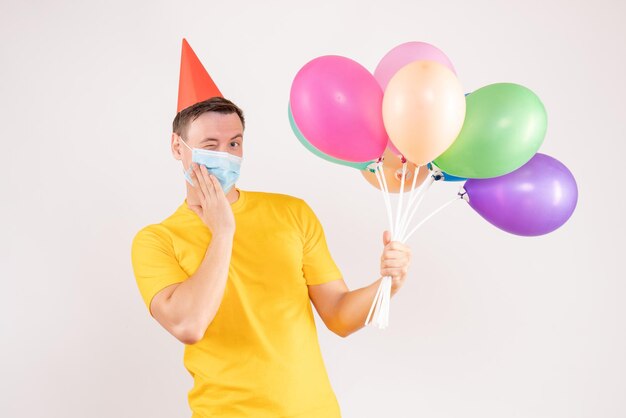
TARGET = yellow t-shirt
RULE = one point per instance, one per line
(260, 356)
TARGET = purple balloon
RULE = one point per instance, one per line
(535, 199)
(405, 54)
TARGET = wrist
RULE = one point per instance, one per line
(223, 235)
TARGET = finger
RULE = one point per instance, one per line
(214, 182)
(196, 180)
(218, 187)
(401, 267)
(215, 186)
(398, 269)
(211, 183)
(196, 177)
(397, 245)
(397, 248)
(389, 272)
(394, 254)
(386, 237)
(203, 183)
(219, 194)
(204, 173)
(393, 271)
(395, 263)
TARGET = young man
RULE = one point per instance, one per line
(232, 274)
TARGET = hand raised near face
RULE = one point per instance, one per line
(214, 209)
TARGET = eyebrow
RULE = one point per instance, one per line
(217, 140)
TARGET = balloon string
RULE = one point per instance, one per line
(385, 196)
(383, 317)
(383, 293)
(382, 176)
(380, 300)
(418, 199)
(412, 197)
(379, 311)
(442, 207)
(415, 174)
(418, 189)
(399, 208)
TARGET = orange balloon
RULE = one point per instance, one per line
(423, 110)
(392, 170)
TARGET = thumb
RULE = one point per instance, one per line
(386, 237)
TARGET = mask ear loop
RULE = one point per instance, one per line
(183, 141)
(187, 176)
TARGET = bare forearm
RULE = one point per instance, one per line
(195, 301)
(353, 307)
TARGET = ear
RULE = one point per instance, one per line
(175, 145)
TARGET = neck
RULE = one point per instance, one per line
(193, 199)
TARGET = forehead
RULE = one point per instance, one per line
(222, 127)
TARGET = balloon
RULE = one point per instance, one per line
(423, 110)
(535, 199)
(445, 176)
(307, 144)
(396, 151)
(336, 103)
(393, 148)
(407, 53)
(504, 127)
(392, 170)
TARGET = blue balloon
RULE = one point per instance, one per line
(446, 176)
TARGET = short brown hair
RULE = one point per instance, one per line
(214, 104)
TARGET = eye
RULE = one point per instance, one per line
(234, 144)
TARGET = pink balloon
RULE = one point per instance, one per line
(405, 54)
(337, 105)
(393, 148)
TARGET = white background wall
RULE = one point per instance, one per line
(488, 325)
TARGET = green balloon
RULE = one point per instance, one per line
(504, 126)
(310, 147)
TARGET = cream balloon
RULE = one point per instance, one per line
(392, 170)
(423, 110)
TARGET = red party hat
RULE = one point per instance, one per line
(195, 84)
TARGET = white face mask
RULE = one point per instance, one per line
(223, 165)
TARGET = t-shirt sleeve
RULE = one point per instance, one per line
(318, 265)
(154, 263)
